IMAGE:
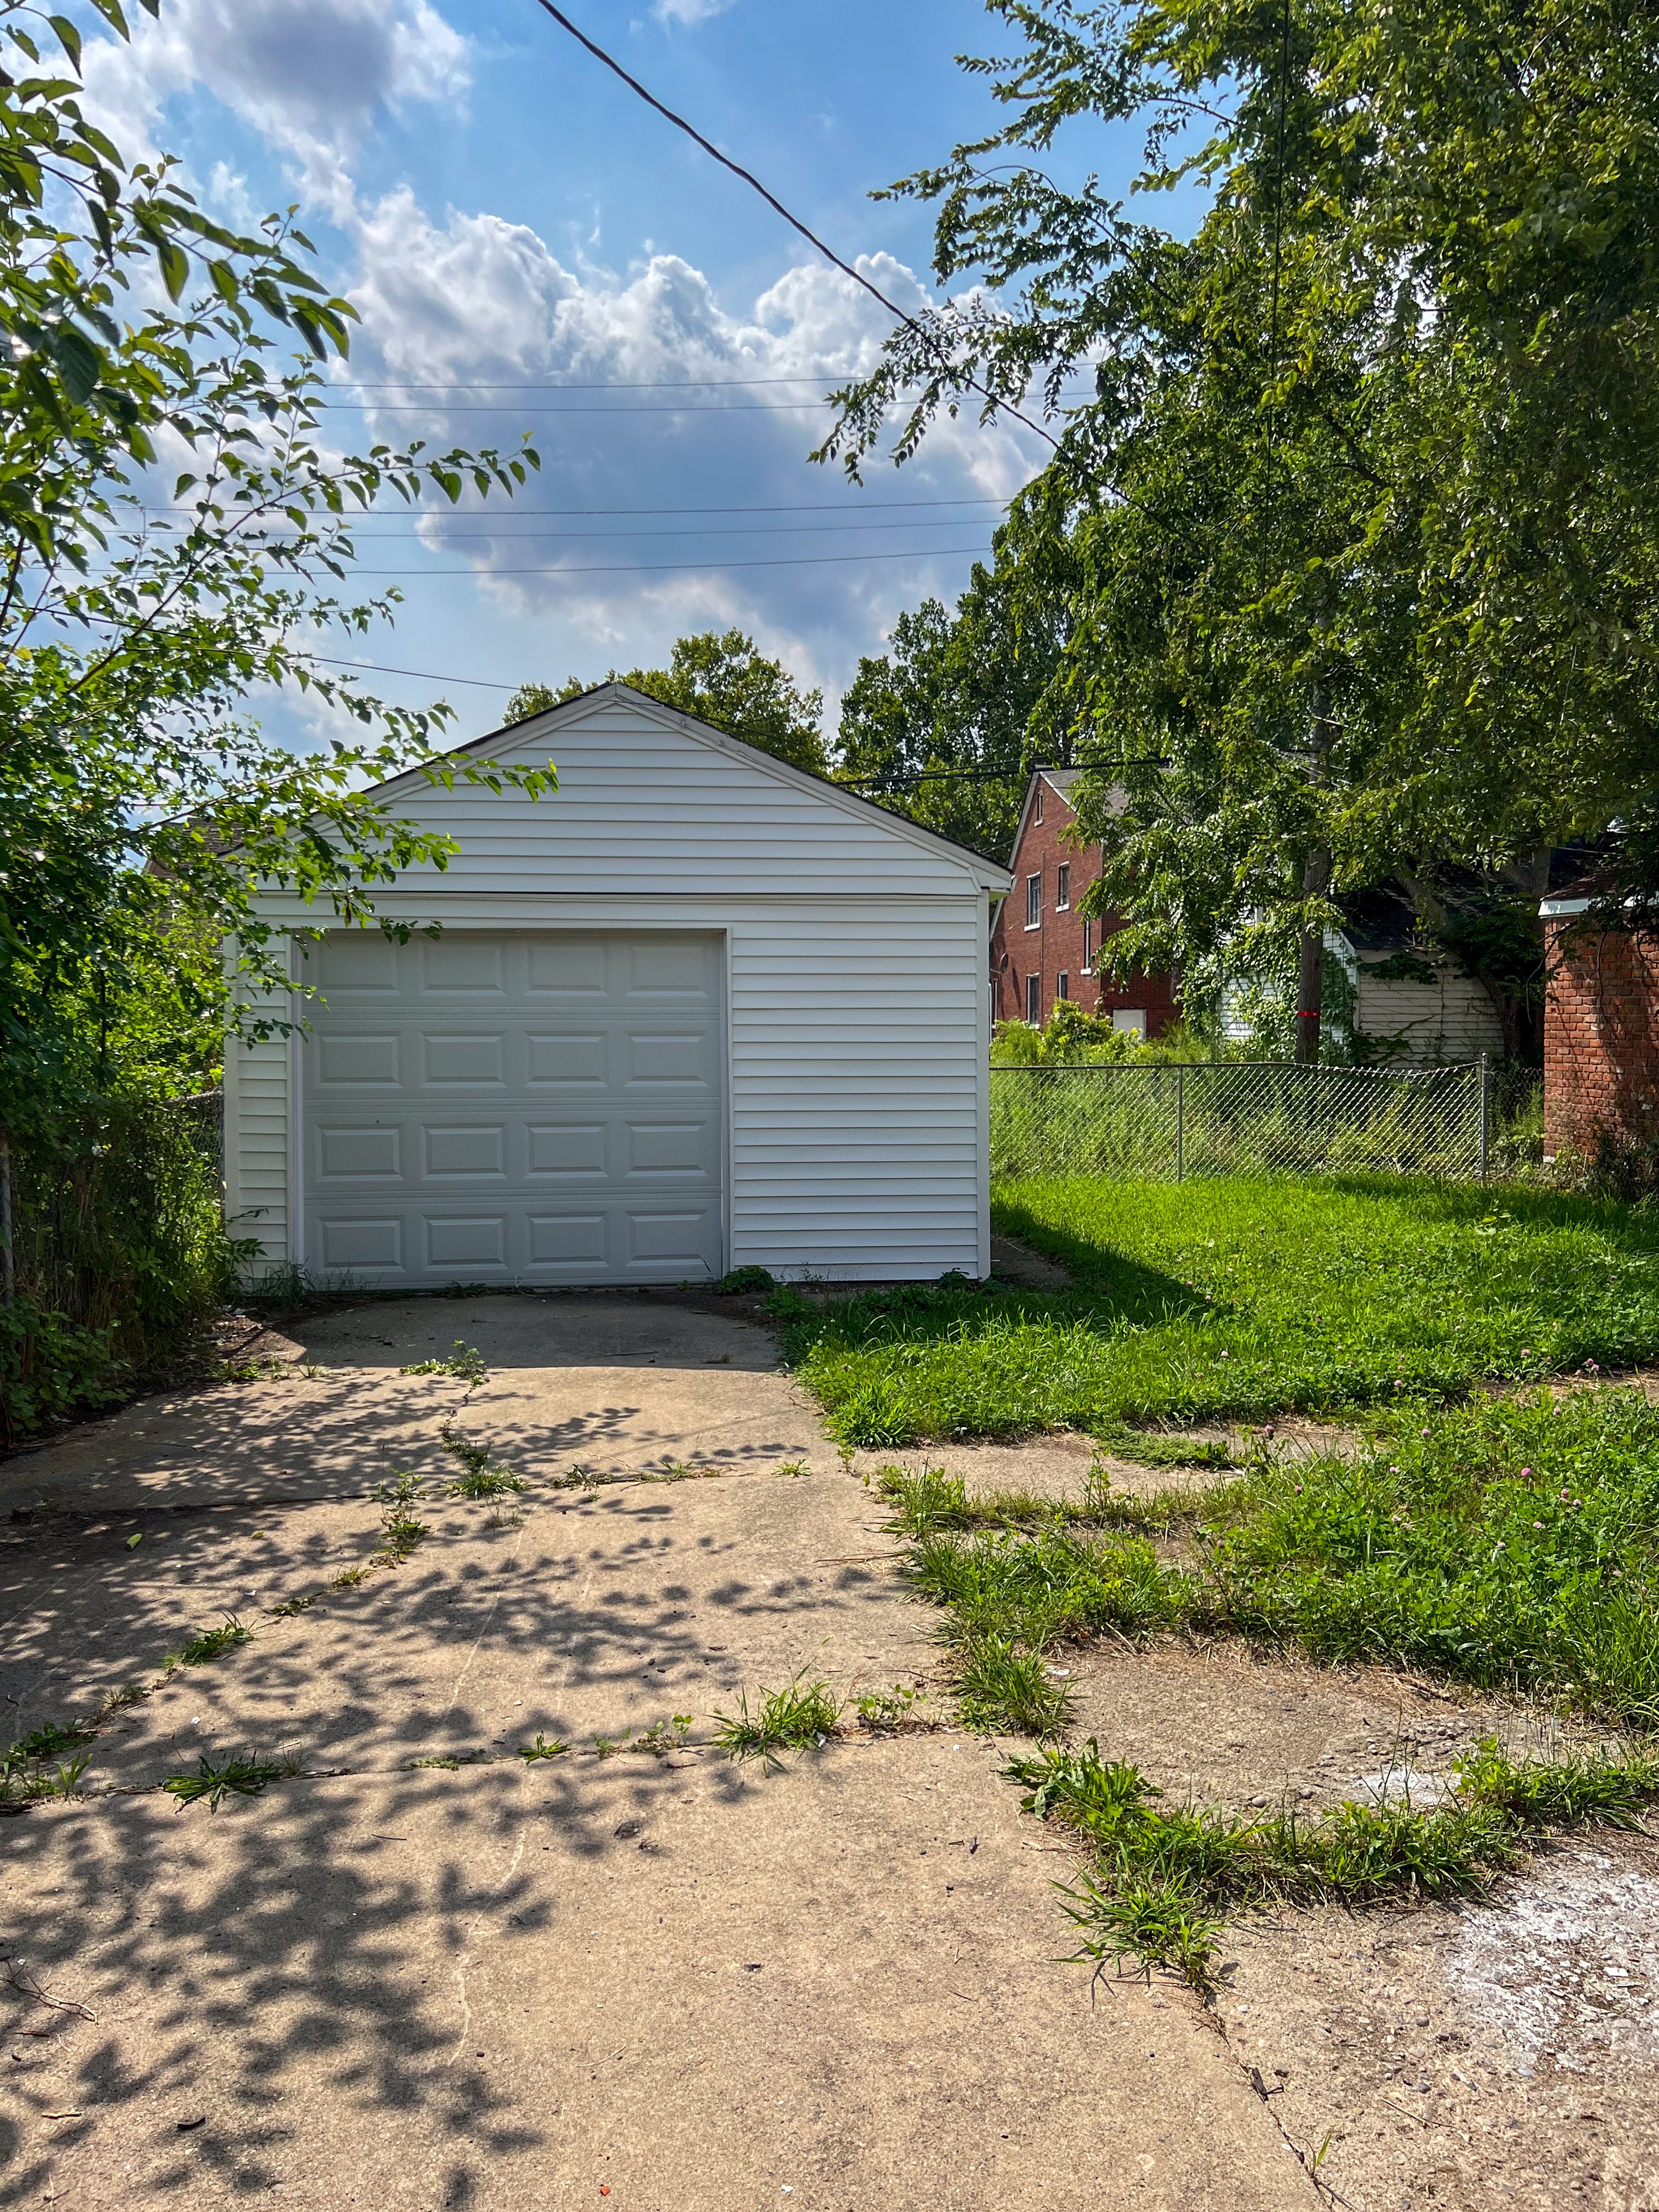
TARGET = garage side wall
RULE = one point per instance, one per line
(858, 1065)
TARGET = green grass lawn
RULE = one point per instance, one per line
(1237, 1299)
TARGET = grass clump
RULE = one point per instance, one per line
(746, 1281)
(208, 1644)
(1160, 1883)
(1237, 1299)
(464, 1362)
(243, 1775)
(290, 1605)
(799, 1717)
(482, 1475)
(544, 1747)
(33, 1768)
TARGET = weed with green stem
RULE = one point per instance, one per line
(244, 1774)
(121, 1699)
(26, 1777)
(743, 1282)
(542, 1747)
(799, 1717)
(1160, 1883)
(465, 1363)
(402, 1531)
(290, 1605)
(208, 1644)
(884, 1712)
(672, 1734)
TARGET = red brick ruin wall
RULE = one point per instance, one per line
(1600, 1038)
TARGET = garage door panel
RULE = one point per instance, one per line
(680, 1057)
(565, 1060)
(345, 1243)
(354, 961)
(660, 1149)
(572, 975)
(373, 1153)
(463, 965)
(462, 1062)
(358, 1062)
(506, 1108)
(455, 1153)
(566, 1150)
(476, 1240)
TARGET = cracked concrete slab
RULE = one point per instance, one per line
(665, 1976)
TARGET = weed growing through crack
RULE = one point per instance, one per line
(208, 1644)
(799, 1717)
(242, 1775)
(400, 1527)
(348, 1578)
(464, 1362)
(446, 1759)
(290, 1605)
(118, 1700)
(884, 1712)
(26, 1776)
(1160, 1883)
(672, 1734)
(793, 1469)
(482, 1475)
(544, 1747)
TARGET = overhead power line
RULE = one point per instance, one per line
(819, 507)
(408, 535)
(621, 383)
(778, 208)
(687, 567)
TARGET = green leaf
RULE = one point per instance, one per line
(68, 36)
(80, 364)
(112, 14)
(174, 265)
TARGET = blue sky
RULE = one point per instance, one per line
(514, 225)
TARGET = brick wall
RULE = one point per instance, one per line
(1600, 1037)
(1054, 949)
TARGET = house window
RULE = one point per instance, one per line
(1033, 901)
(1037, 813)
(1088, 946)
(1063, 884)
(1130, 1021)
(1034, 1000)
(1063, 985)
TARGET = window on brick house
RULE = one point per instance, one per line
(1033, 900)
(1063, 985)
(1034, 1000)
(1088, 946)
(1036, 811)
(1063, 884)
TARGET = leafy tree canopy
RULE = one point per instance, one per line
(722, 677)
(1363, 504)
(172, 534)
(938, 727)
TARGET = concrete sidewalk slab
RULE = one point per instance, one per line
(832, 1988)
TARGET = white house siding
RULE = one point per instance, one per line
(857, 1021)
(1450, 1020)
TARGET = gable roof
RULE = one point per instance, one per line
(985, 874)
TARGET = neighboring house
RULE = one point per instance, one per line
(697, 1010)
(1600, 1032)
(1041, 949)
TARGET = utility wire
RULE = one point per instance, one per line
(820, 507)
(686, 568)
(778, 208)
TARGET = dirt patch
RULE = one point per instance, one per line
(1478, 2059)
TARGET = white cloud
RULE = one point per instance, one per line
(689, 12)
(481, 304)
(310, 75)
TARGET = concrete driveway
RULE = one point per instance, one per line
(643, 1975)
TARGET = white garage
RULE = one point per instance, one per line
(696, 1010)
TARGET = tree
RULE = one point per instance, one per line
(938, 727)
(1365, 501)
(172, 536)
(722, 677)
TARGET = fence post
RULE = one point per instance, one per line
(1485, 1116)
(8, 1255)
(1181, 1123)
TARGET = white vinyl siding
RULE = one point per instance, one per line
(854, 1029)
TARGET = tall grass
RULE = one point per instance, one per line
(1236, 1299)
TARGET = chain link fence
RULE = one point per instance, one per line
(1162, 1124)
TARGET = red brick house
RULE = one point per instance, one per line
(1600, 1033)
(1041, 948)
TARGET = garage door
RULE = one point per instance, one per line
(541, 1109)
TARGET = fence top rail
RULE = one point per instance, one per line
(1230, 1066)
